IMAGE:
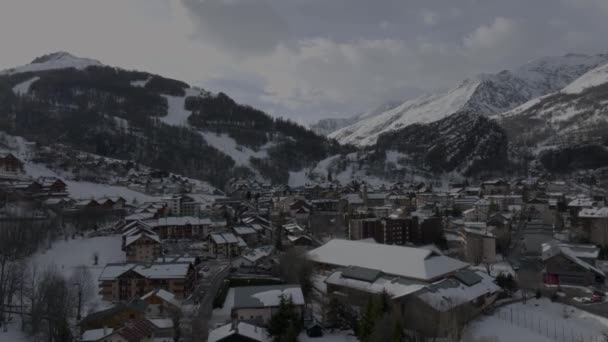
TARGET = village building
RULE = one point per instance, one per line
(225, 245)
(257, 304)
(142, 247)
(183, 227)
(126, 281)
(571, 264)
(115, 316)
(161, 303)
(238, 332)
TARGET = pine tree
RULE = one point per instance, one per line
(286, 323)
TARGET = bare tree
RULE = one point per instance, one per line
(82, 284)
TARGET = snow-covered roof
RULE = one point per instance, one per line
(396, 287)
(256, 254)
(162, 323)
(96, 334)
(139, 216)
(178, 221)
(243, 329)
(222, 238)
(164, 295)
(132, 238)
(151, 271)
(573, 252)
(581, 202)
(266, 296)
(452, 292)
(244, 230)
(595, 212)
(407, 262)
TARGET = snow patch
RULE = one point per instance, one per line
(593, 78)
(24, 87)
(60, 60)
(177, 115)
(240, 154)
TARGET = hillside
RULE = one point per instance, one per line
(465, 143)
(159, 122)
(487, 93)
(565, 130)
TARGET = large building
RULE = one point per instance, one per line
(406, 262)
(126, 281)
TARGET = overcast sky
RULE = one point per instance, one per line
(306, 59)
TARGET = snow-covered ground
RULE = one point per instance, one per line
(24, 87)
(67, 255)
(177, 115)
(537, 321)
(590, 79)
(227, 145)
(13, 333)
(86, 190)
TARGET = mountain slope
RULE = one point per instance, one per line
(466, 143)
(488, 94)
(567, 129)
(156, 121)
(328, 126)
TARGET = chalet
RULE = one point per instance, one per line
(594, 222)
(53, 185)
(225, 245)
(239, 332)
(161, 303)
(257, 304)
(252, 258)
(184, 227)
(115, 316)
(571, 264)
(248, 234)
(142, 247)
(300, 240)
(87, 205)
(142, 330)
(10, 165)
(116, 202)
(125, 281)
(495, 187)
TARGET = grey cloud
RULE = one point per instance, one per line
(240, 26)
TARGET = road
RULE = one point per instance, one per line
(203, 297)
(529, 273)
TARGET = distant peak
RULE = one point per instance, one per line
(60, 56)
(54, 61)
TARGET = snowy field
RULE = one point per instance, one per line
(240, 154)
(66, 256)
(86, 190)
(537, 321)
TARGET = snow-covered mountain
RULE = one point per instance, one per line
(487, 94)
(570, 125)
(156, 121)
(53, 61)
(328, 126)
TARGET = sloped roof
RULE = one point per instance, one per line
(266, 296)
(242, 329)
(407, 262)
